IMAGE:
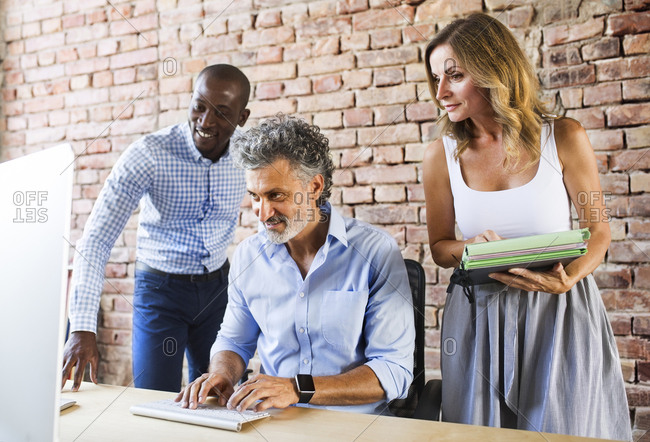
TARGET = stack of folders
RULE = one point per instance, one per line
(536, 252)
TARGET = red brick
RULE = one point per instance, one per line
(355, 42)
(637, 395)
(343, 178)
(639, 182)
(405, 173)
(386, 115)
(299, 86)
(421, 111)
(49, 41)
(415, 192)
(637, 137)
(43, 104)
(387, 155)
(326, 65)
(568, 76)
(623, 68)
(380, 18)
(418, 33)
(265, 91)
(555, 35)
(615, 183)
(357, 195)
(606, 139)
(267, 19)
(636, 89)
(631, 347)
(520, 17)
(210, 45)
(13, 78)
(297, 51)
(386, 214)
(326, 46)
(640, 206)
(642, 278)
(604, 48)
(322, 102)
(395, 194)
(329, 83)
(8, 94)
(357, 117)
(268, 37)
(102, 79)
(571, 98)
(356, 157)
(631, 23)
(564, 56)
(639, 229)
(73, 21)
(124, 76)
(628, 114)
(442, 8)
(627, 251)
(350, 6)
(43, 11)
(388, 57)
(630, 160)
(328, 120)
(590, 118)
(380, 96)
(602, 93)
(175, 85)
(389, 77)
(385, 38)
(240, 22)
(359, 79)
(615, 278)
(267, 108)
(636, 44)
(621, 324)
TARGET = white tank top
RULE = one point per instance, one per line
(540, 206)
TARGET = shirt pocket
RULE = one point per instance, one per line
(342, 317)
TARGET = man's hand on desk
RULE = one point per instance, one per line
(80, 349)
(270, 390)
(208, 384)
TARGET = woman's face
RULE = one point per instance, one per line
(455, 88)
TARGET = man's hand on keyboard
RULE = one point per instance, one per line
(208, 384)
(271, 391)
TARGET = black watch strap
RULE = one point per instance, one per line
(305, 385)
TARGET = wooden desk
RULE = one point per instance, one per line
(102, 414)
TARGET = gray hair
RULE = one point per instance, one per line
(289, 138)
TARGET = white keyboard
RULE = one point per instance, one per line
(207, 415)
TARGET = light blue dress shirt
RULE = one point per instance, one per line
(188, 215)
(354, 307)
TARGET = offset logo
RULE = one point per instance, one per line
(30, 206)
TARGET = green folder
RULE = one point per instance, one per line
(532, 252)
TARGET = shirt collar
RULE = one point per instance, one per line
(196, 155)
(336, 229)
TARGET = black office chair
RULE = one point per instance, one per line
(407, 407)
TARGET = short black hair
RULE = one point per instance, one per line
(229, 73)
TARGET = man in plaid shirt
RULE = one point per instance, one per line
(189, 194)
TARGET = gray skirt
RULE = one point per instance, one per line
(533, 361)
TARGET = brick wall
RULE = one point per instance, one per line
(100, 75)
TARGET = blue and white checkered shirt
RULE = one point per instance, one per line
(189, 211)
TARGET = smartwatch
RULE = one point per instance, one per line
(305, 384)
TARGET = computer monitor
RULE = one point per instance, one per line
(35, 207)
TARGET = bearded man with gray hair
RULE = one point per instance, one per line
(324, 299)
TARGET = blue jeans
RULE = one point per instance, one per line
(172, 317)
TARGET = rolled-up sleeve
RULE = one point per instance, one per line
(389, 329)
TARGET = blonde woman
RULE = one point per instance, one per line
(534, 350)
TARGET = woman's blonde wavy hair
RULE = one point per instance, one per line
(488, 51)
